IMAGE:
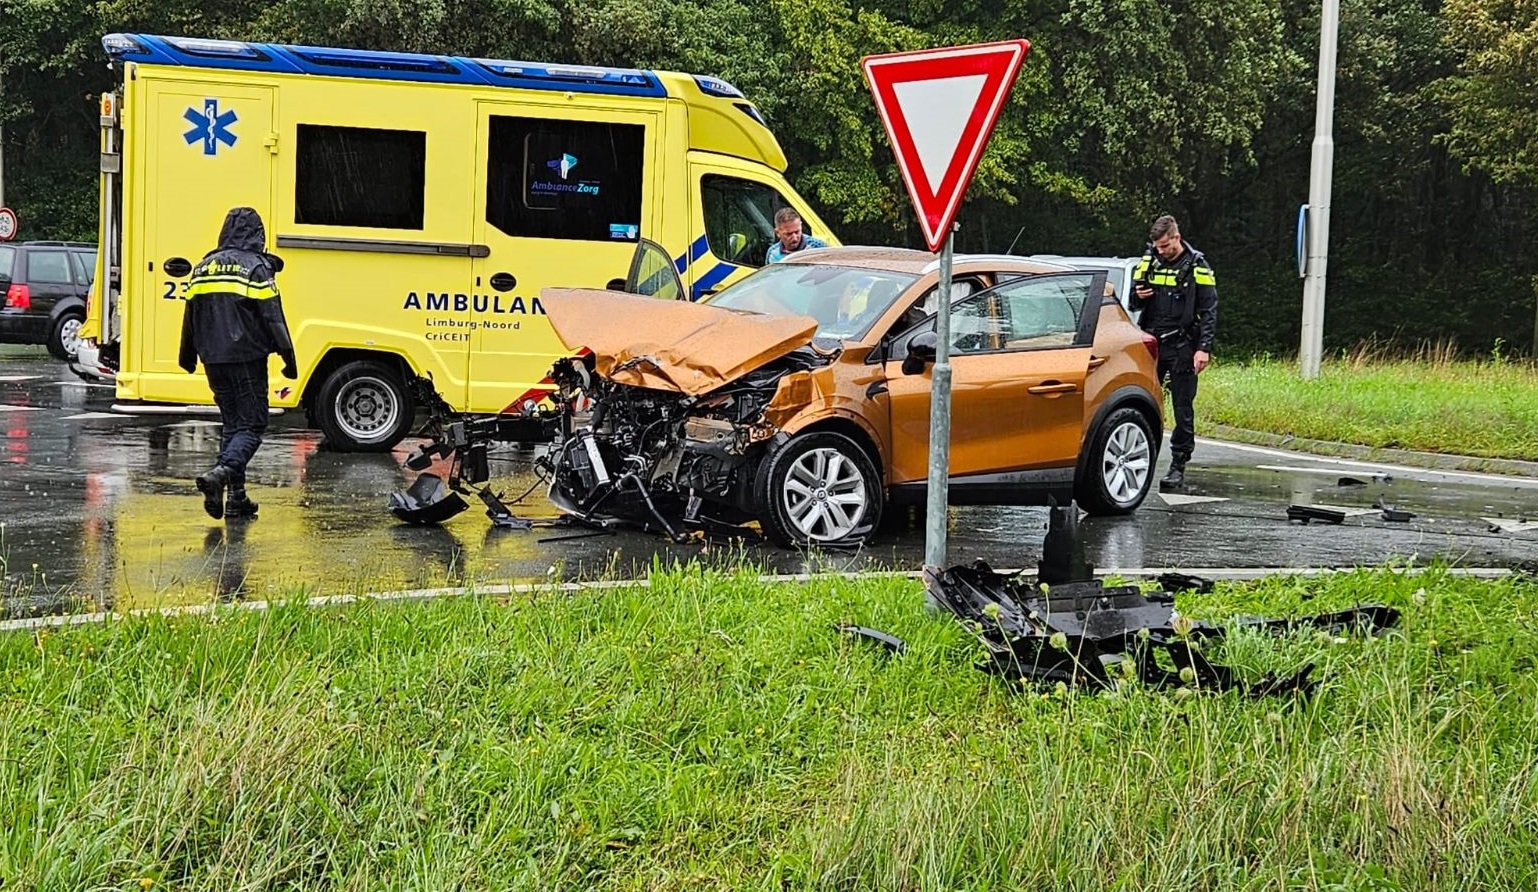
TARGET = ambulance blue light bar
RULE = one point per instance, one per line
(379, 65)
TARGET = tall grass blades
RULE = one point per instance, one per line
(709, 731)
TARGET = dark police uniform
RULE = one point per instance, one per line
(1183, 314)
(233, 320)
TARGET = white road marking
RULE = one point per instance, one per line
(1358, 465)
(91, 415)
(1512, 525)
(19, 377)
(1172, 499)
(1349, 512)
(19, 408)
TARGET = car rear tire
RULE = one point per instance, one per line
(821, 488)
(64, 339)
(364, 407)
(1118, 472)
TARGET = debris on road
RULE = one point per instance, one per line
(1306, 513)
(1181, 582)
(1078, 631)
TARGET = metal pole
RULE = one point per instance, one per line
(939, 432)
(1319, 174)
(2, 133)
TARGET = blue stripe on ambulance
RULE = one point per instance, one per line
(712, 279)
(695, 252)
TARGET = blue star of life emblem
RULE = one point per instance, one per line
(210, 126)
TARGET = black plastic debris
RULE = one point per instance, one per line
(1350, 481)
(1181, 582)
(1392, 514)
(1062, 551)
(890, 642)
(428, 501)
(1087, 634)
(1306, 513)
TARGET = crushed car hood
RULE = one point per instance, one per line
(668, 344)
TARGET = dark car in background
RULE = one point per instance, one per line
(43, 288)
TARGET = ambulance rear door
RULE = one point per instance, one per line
(210, 147)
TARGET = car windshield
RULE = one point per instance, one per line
(844, 300)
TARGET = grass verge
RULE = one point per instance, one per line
(709, 731)
(1483, 408)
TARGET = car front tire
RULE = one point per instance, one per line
(821, 488)
(1119, 471)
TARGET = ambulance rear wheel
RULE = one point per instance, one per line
(364, 407)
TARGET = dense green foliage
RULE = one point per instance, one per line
(1124, 109)
(713, 732)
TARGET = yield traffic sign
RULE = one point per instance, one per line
(939, 107)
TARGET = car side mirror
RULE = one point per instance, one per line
(736, 243)
(921, 352)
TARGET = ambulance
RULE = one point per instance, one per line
(420, 204)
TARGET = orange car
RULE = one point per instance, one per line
(799, 397)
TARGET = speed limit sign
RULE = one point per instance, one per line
(7, 224)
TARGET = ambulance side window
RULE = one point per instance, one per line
(579, 180)
(739, 218)
(360, 176)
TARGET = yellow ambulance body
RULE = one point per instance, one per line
(420, 203)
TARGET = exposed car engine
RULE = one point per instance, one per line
(662, 459)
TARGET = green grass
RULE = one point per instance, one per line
(1481, 408)
(707, 731)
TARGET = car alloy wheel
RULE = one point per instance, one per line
(824, 495)
(819, 488)
(1126, 462)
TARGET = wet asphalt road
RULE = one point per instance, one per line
(103, 505)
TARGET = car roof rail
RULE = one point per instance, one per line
(51, 243)
(987, 258)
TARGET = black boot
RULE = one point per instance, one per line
(211, 484)
(237, 506)
(1175, 478)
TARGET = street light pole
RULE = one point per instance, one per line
(1320, 170)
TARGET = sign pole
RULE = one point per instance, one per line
(939, 427)
(938, 107)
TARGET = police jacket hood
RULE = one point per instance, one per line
(233, 312)
(244, 231)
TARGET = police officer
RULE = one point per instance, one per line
(1174, 287)
(233, 320)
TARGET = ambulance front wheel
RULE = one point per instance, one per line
(364, 407)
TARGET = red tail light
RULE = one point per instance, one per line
(1152, 343)
(18, 297)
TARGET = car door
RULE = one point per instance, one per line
(85, 270)
(50, 278)
(1020, 353)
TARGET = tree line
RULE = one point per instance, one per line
(1124, 109)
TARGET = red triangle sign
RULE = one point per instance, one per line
(939, 107)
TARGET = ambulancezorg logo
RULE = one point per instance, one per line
(563, 164)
